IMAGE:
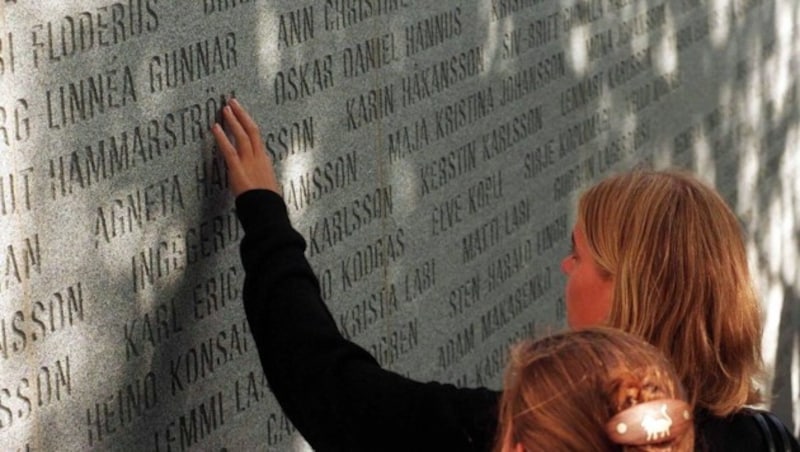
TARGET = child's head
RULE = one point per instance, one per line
(592, 389)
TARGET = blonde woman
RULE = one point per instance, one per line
(666, 259)
(656, 254)
(595, 389)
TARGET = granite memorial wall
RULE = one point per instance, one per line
(430, 152)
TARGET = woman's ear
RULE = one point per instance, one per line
(519, 448)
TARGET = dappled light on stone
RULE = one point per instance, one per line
(430, 154)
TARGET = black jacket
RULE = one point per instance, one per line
(336, 393)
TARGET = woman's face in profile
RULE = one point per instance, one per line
(588, 291)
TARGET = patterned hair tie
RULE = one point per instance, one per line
(651, 422)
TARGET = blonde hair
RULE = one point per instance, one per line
(560, 391)
(677, 258)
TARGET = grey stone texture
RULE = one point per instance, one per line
(431, 153)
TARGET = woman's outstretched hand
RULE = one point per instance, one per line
(249, 166)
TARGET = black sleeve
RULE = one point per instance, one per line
(748, 430)
(776, 434)
(335, 392)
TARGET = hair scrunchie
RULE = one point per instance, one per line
(651, 422)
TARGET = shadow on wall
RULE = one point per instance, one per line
(716, 93)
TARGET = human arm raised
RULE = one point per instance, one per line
(334, 392)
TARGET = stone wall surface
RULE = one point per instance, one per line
(430, 152)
